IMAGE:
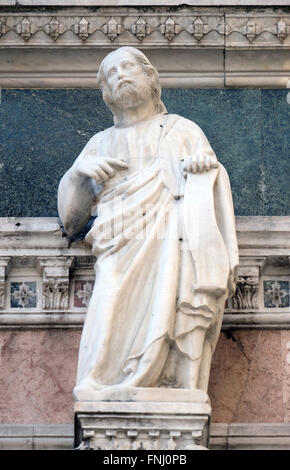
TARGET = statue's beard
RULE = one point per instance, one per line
(130, 96)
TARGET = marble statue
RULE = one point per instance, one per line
(164, 238)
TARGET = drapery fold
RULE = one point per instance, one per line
(165, 247)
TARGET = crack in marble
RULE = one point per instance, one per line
(249, 369)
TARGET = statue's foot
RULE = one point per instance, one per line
(87, 385)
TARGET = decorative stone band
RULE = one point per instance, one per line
(193, 46)
(145, 28)
(43, 282)
(141, 3)
(237, 436)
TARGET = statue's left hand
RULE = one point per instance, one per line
(198, 164)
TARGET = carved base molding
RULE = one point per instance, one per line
(158, 423)
(236, 436)
(46, 284)
(192, 46)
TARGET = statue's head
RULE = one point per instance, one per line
(127, 79)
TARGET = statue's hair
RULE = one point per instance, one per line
(149, 70)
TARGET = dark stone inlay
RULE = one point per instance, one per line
(23, 294)
(276, 294)
(82, 293)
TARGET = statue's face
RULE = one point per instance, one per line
(127, 83)
(122, 70)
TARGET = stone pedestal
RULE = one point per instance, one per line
(142, 418)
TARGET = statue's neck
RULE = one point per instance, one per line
(129, 116)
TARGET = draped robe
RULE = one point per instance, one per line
(165, 247)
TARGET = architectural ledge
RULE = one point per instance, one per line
(142, 3)
(237, 436)
(206, 44)
(44, 283)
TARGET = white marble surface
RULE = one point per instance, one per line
(141, 394)
(161, 281)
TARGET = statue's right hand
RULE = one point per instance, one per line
(100, 169)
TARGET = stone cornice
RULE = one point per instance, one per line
(251, 436)
(213, 46)
(23, 236)
(142, 3)
(113, 27)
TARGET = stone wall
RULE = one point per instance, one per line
(249, 377)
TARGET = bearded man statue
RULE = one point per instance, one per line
(164, 238)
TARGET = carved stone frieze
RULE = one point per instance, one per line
(83, 28)
(135, 440)
(23, 294)
(125, 26)
(141, 28)
(83, 293)
(55, 282)
(246, 293)
(170, 28)
(58, 278)
(112, 29)
(25, 29)
(54, 28)
(276, 293)
(198, 28)
(257, 30)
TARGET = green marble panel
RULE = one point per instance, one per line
(230, 122)
(41, 134)
(276, 152)
(43, 131)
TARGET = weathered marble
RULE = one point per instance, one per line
(246, 378)
(135, 424)
(39, 366)
(285, 358)
(37, 375)
(153, 320)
